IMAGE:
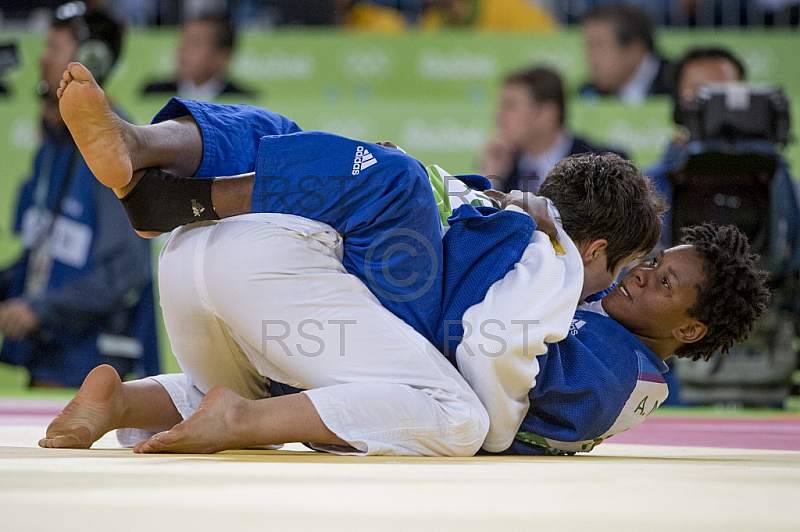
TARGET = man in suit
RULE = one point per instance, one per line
(204, 52)
(620, 52)
(531, 134)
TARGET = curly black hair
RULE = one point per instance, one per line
(734, 294)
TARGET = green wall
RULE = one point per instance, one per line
(433, 94)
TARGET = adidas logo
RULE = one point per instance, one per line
(576, 326)
(364, 159)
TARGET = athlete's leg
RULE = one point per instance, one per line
(223, 419)
(287, 310)
(114, 148)
(105, 403)
(377, 197)
(226, 420)
(186, 139)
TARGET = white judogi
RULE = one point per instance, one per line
(265, 296)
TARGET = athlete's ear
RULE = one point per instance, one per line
(593, 250)
(690, 332)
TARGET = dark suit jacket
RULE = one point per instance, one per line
(662, 83)
(172, 88)
(579, 145)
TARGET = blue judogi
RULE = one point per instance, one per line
(597, 377)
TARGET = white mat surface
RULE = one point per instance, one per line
(616, 487)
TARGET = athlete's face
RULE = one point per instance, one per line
(597, 277)
(518, 116)
(652, 299)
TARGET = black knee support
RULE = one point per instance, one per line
(161, 201)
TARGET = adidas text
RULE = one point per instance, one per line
(364, 159)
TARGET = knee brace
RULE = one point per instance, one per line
(161, 201)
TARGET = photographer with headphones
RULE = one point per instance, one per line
(81, 293)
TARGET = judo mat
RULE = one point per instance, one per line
(676, 471)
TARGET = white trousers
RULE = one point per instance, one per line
(265, 296)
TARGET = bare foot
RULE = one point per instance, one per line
(101, 136)
(94, 411)
(209, 430)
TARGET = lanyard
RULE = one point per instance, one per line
(43, 185)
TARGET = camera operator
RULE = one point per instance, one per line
(700, 67)
(81, 293)
(721, 155)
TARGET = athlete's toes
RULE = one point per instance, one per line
(155, 444)
(79, 72)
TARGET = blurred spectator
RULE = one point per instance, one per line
(81, 294)
(693, 12)
(205, 49)
(396, 15)
(620, 51)
(778, 12)
(518, 15)
(531, 133)
(9, 60)
(373, 16)
(139, 13)
(268, 13)
(409, 10)
(574, 11)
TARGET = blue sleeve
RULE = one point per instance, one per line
(658, 173)
(10, 276)
(121, 269)
(231, 133)
(14, 272)
(785, 222)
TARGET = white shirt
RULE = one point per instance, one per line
(539, 166)
(635, 91)
(206, 92)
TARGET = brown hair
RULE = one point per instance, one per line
(543, 85)
(605, 196)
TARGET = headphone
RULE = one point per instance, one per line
(94, 54)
